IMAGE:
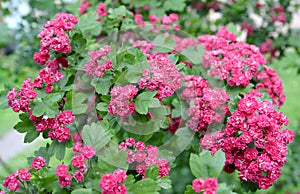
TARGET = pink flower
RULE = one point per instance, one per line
(78, 175)
(61, 170)
(78, 160)
(65, 181)
(24, 174)
(88, 151)
(66, 117)
(38, 163)
(77, 147)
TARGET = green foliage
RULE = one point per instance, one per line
(204, 165)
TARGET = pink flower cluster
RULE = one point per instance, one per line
(58, 124)
(271, 82)
(38, 163)
(182, 43)
(84, 5)
(64, 178)
(12, 182)
(119, 103)
(101, 10)
(209, 186)
(235, 62)
(111, 183)
(78, 161)
(143, 157)
(165, 21)
(53, 36)
(145, 46)
(19, 101)
(162, 75)
(279, 14)
(253, 141)
(93, 67)
(248, 27)
(206, 102)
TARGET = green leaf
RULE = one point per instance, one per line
(144, 100)
(102, 84)
(79, 105)
(152, 172)
(47, 106)
(141, 126)
(83, 191)
(31, 136)
(249, 186)
(189, 190)
(88, 24)
(95, 135)
(223, 189)
(119, 12)
(165, 182)
(25, 124)
(195, 56)
(113, 156)
(102, 106)
(78, 43)
(204, 165)
(174, 5)
(60, 151)
(145, 186)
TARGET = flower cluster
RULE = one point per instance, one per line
(19, 101)
(204, 102)
(93, 67)
(12, 182)
(144, 45)
(53, 36)
(253, 141)
(209, 186)
(58, 124)
(165, 21)
(64, 178)
(271, 82)
(279, 14)
(162, 75)
(38, 163)
(119, 104)
(235, 62)
(111, 183)
(78, 161)
(143, 157)
(84, 5)
(101, 10)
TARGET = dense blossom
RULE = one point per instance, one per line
(111, 183)
(278, 14)
(53, 36)
(12, 182)
(235, 62)
(94, 67)
(253, 141)
(271, 82)
(84, 5)
(209, 186)
(204, 102)
(162, 75)
(58, 124)
(38, 163)
(119, 103)
(142, 157)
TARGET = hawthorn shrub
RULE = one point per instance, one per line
(130, 96)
